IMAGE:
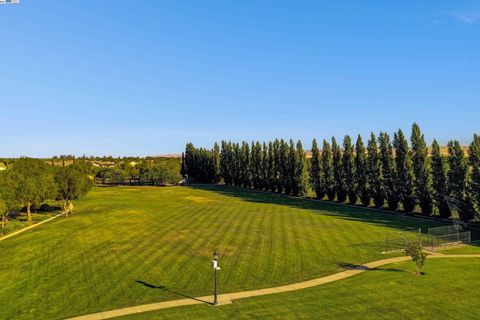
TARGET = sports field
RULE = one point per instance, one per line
(122, 241)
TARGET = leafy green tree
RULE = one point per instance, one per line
(264, 168)
(227, 163)
(245, 165)
(272, 167)
(71, 184)
(34, 184)
(421, 170)
(300, 177)
(256, 166)
(237, 171)
(315, 171)
(338, 175)
(183, 169)
(7, 194)
(439, 180)
(388, 171)
(374, 172)
(361, 173)
(116, 175)
(457, 177)
(348, 163)
(404, 172)
(328, 182)
(278, 165)
(216, 175)
(3, 213)
(414, 250)
(283, 166)
(289, 172)
(474, 159)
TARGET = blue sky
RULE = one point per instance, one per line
(144, 77)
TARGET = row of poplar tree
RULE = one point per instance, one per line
(385, 173)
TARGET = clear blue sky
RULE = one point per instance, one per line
(144, 77)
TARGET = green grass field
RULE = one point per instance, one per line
(119, 238)
(390, 292)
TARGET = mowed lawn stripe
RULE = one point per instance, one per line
(166, 236)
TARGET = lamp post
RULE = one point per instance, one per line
(215, 269)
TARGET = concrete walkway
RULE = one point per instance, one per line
(31, 226)
(230, 297)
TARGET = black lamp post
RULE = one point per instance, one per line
(215, 269)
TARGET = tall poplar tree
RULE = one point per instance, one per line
(284, 167)
(255, 165)
(290, 168)
(217, 175)
(300, 176)
(338, 172)
(361, 177)
(457, 178)
(439, 180)
(388, 171)
(246, 172)
(315, 171)
(327, 171)
(374, 169)
(404, 177)
(265, 167)
(278, 148)
(421, 170)
(474, 159)
(338, 175)
(348, 164)
(237, 165)
(272, 173)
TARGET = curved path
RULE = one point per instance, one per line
(229, 297)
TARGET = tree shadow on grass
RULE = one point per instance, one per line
(152, 286)
(392, 220)
(352, 266)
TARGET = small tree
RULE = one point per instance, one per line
(414, 250)
(71, 184)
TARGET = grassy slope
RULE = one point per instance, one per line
(391, 292)
(165, 237)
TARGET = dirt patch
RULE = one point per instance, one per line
(197, 199)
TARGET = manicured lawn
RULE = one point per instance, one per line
(448, 290)
(119, 237)
(474, 248)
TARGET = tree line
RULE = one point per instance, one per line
(30, 182)
(142, 172)
(386, 172)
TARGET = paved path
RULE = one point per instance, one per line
(31, 227)
(229, 297)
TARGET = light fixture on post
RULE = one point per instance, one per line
(215, 269)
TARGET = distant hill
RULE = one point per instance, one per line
(169, 155)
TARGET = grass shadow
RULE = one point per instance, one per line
(361, 214)
(151, 286)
